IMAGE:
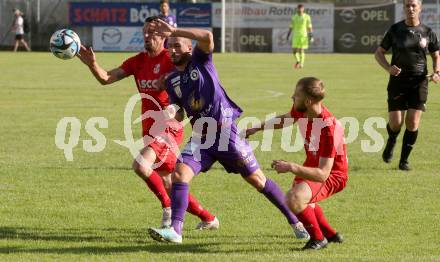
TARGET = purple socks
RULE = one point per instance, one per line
(273, 192)
(179, 204)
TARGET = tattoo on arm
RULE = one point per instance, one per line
(116, 75)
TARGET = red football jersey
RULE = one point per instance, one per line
(323, 137)
(147, 71)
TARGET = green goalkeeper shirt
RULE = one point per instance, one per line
(299, 24)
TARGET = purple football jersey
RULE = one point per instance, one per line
(169, 19)
(198, 90)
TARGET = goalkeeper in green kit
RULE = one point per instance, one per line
(302, 35)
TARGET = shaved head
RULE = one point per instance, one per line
(182, 40)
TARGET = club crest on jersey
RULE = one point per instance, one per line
(423, 42)
(156, 69)
(194, 74)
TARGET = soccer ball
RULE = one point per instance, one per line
(65, 44)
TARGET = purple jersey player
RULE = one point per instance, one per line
(165, 14)
(195, 87)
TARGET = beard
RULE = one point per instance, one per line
(184, 58)
(300, 108)
(148, 47)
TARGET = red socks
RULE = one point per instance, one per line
(196, 209)
(308, 218)
(314, 221)
(155, 184)
(327, 230)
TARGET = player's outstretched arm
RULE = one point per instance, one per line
(277, 122)
(379, 55)
(204, 38)
(317, 174)
(435, 77)
(87, 56)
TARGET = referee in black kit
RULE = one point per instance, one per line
(410, 41)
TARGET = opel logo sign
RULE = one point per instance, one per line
(111, 36)
(348, 15)
(347, 40)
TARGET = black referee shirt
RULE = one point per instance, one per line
(410, 45)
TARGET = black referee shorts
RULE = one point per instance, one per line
(407, 92)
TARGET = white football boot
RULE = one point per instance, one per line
(212, 225)
(300, 231)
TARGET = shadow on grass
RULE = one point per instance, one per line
(74, 234)
(151, 248)
(118, 240)
(125, 168)
(159, 248)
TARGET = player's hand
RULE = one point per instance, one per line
(435, 78)
(162, 83)
(161, 28)
(311, 39)
(250, 131)
(282, 166)
(288, 34)
(394, 70)
(87, 56)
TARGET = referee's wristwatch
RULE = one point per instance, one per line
(437, 73)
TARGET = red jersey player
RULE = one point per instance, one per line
(157, 159)
(325, 170)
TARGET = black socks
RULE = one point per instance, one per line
(409, 139)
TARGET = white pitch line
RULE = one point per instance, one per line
(274, 93)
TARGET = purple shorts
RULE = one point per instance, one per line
(231, 151)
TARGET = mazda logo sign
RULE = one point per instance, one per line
(111, 36)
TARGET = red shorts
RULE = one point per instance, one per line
(166, 148)
(321, 191)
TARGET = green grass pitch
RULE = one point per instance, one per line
(96, 208)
